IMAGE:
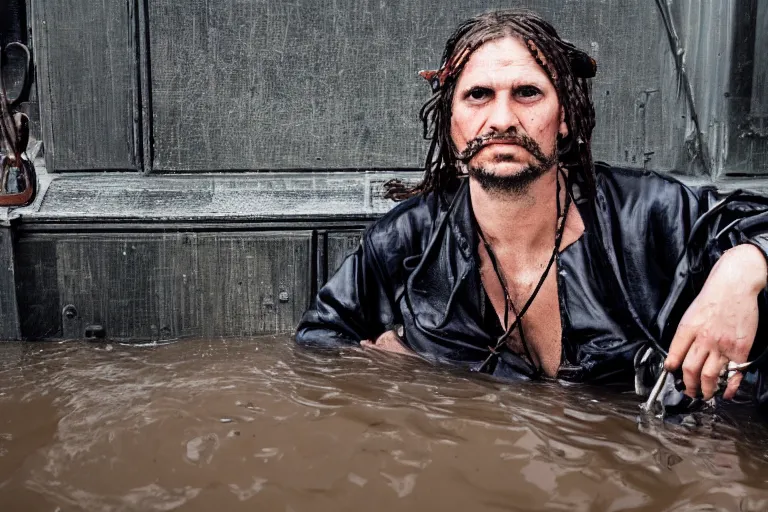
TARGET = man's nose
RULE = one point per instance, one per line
(502, 116)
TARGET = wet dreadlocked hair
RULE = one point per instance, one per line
(568, 68)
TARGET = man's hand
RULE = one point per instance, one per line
(721, 323)
(388, 342)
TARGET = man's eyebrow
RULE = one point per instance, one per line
(515, 83)
(477, 85)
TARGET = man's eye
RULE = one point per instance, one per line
(527, 91)
(478, 93)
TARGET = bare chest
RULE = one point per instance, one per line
(541, 323)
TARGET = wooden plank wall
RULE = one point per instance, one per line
(340, 245)
(756, 152)
(9, 313)
(87, 80)
(164, 286)
(170, 256)
(40, 309)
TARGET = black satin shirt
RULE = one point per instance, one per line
(648, 245)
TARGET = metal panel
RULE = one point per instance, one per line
(9, 313)
(700, 33)
(86, 63)
(164, 286)
(760, 79)
(747, 94)
(305, 84)
(755, 138)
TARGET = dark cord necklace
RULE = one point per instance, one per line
(517, 324)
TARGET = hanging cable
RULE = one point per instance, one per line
(562, 215)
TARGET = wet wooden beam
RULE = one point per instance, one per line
(9, 312)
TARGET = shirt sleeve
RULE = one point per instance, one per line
(732, 219)
(724, 221)
(353, 305)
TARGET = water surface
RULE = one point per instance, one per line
(257, 424)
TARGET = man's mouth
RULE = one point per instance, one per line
(505, 142)
(510, 137)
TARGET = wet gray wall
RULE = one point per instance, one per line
(85, 57)
(312, 85)
(9, 317)
(170, 256)
(747, 98)
(163, 86)
(232, 85)
(144, 286)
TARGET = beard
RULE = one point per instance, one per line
(517, 183)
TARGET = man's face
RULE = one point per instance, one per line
(503, 90)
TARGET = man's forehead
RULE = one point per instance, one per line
(504, 55)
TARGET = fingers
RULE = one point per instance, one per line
(680, 346)
(702, 368)
(710, 373)
(733, 386)
(719, 325)
(692, 367)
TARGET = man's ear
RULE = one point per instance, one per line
(563, 130)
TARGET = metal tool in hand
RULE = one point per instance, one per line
(729, 370)
(17, 174)
(648, 405)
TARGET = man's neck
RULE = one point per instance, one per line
(523, 222)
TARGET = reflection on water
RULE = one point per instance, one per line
(260, 425)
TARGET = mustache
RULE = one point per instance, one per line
(510, 136)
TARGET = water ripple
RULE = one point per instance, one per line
(244, 424)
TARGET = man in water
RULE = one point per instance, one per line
(519, 256)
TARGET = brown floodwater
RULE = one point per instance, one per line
(258, 424)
